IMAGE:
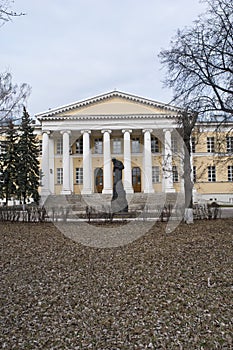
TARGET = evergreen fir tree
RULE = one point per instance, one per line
(8, 163)
(28, 176)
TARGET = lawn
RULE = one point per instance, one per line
(162, 291)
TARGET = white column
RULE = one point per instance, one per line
(51, 165)
(127, 162)
(148, 187)
(66, 162)
(107, 163)
(167, 162)
(86, 162)
(45, 164)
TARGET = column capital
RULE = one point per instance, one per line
(48, 132)
(147, 130)
(106, 130)
(65, 132)
(86, 131)
(167, 130)
(126, 130)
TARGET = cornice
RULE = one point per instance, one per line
(100, 98)
(107, 117)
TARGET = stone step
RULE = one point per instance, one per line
(102, 202)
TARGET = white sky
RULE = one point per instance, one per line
(75, 49)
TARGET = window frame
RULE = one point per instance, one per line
(117, 145)
(194, 173)
(79, 146)
(230, 173)
(59, 146)
(193, 144)
(229, 144)
(135, 143)
(175, 174)
(98, 145)
(79, 176)
(210, 143)
(59, 173)
(212, 173)
(174, 144)
(155, 174)
(155, 145)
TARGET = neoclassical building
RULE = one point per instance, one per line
(79, 141)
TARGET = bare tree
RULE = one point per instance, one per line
(12, 96)
(200, 60)
(199, 70)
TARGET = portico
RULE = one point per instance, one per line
(80, 140)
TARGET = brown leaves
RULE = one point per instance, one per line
(164, 291)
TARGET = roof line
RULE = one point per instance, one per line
(102, 97)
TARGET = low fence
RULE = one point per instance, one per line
(41, 214)
(23, 213)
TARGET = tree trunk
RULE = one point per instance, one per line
(188, 184)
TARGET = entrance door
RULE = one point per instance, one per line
(136, 179)
(98, 180)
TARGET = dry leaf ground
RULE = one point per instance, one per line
(163, 291)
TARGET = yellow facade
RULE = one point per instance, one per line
(211, 158)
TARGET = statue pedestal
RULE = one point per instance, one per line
(119, 202)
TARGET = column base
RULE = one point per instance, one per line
(149, 191)
(128, 190)
(170, 190)
(45, 192)
(86, 192)
(66, 192)
(107, 191)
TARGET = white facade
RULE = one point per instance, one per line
(79, 141)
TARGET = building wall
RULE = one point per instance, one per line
(201, 160)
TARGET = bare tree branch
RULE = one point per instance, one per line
(5, 13)
(12, 98)
(200, 60)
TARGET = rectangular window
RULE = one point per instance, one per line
(229, 140)
(211, 173)
(59, 149)
(193, 144)
(210, 145)
(79, 146)
(230, 173)
(98, 146)
(175, 175)
(194, 174)
(174, 144)
(135, 145)
(154, 145)
(116, 146)
(155, 174)
(59, 176)
(79, 176)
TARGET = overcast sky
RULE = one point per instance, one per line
(75, 49)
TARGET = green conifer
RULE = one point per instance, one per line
(8, 163)
(28, 176)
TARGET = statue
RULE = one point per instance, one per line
(117, 174)
(119, 202)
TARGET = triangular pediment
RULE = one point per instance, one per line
(113, 103)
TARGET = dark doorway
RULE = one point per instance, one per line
(98, 180)
(136, 179)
